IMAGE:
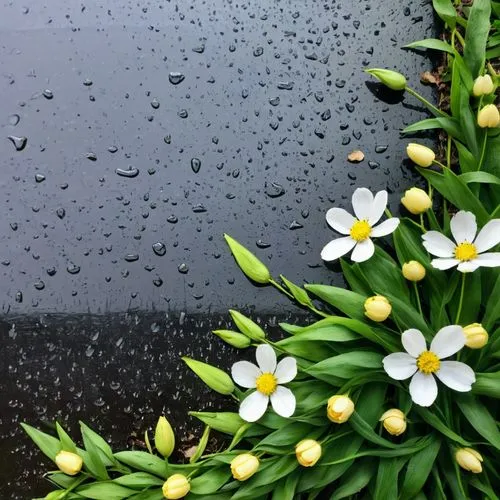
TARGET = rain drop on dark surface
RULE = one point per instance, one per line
(285, 85)
(60, 212)
(19, 142)
(258, 51)
(39, 285)
(19, 297)
(73, 269)
(183, 113)
(159, 248)
(155, 104)
(14, 119)
(172, 219)
(263, 244)
(91, 156)
(130, 172)
(381, 148)
(112, 149)
(183, 268)
(131, 257)
(295, 225)
(87, 82)
(39, 178)
(274, 190)
(174, 77)
(195, 165)
(48, 94)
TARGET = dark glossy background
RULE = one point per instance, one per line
(235, 117)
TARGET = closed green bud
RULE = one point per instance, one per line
(226, 422)
(247, 326)
(200, 449)
(215, 378)
(391, 79)
(249, 264)
(164, 437)
(235, 339)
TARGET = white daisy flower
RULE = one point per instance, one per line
(466, 251)
(266, 378)
(422, 364)
(368, 210)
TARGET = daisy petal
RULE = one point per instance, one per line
(266, 358)
(362, 203)
(337, 248)
(468, 267)
(444, 264)
(448, 341)
(463, 226)
(489, 236)
(253, 406)
(340, 220)
(413, 342)
(379, 205)
(438, 244)
(286, 370)
(456, 375)
(245, 374)
(283, 401)
(423, 389)
(400, 365)
(363, 251)
(385, 228)
(491, 259)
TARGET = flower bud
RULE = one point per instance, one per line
(235, 339)
(413, 271)
(391, 79)
(394, 421)
(176, 486)
(340, 408)
(483, 85)
(164, 437)
(421, 155)
(244, 466)
(214, 377)
(475, 336)
(251, 266)
(377, 308)
(308, 452)
(247, 326)
(416, 201)
(469, 459)
(488, 117)
(69, 463)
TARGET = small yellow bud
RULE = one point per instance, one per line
(413, 271)
(176, 486)
(391, 79)
(244, 466)
(69, 463)
(416, 201)
(394, 421)
(488, 117)
(475, 336)
(483, 85)
(164, 437)
(469, 459)
(377, 308)
(421, 155)
(340, 408)
(308, 452)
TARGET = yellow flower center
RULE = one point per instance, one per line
(266, 383)
(360, 230)
(428, 362)
(465, 251)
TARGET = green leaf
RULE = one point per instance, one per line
(200, 449)
(93, 458)
(324, 330)
(210, 481)
(466, 160)
(226, 422)
(483, 488)
(476, 36)
(67, 444)
(355, 278)
(350, 303)
(139, 480)
(355, 479)
(298, 293)
(479, 177)
(433, 420)
(97, 441)
(407, 316)
(487, 384)
(48, 445)
(106, 490)
(143, 461)
(492, 312)
(449, 125)
(445, 10)
(431, 43)
(364, 429)
(149, 495)
(285, 489)
(386, 485)
(480, 418)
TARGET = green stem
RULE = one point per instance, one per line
(460, 38)
(440, 164)
(422, 225)
(418, 298)
(483, 151)
(289, 295)
(448, 152)
(424, 101)
(461, 300)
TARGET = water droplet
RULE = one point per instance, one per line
(373, 164)
(285, 85)
(200, 49)
(51, 271)
(182, 113)
(112, 149)
(91, 156)
(39, 285)
(167, 139)
(60, 212)
(174, 77)
(172, 219)
(326, 115)
(155, 104)
(14, 226)
(19, 142)
(73, 269)
(245, 93)
(158, 282)
(263, 244)
(48, 94)
(159, 248)
(130, 172)
(19, 297)
(87, 82)
(274, 101)
(39, 178)
(274, 190)
(381, 149)
(258, 51)
(199, 209)
(195, 165)
(131, 257)
(295, 225)
(14, 120)
(183, 268)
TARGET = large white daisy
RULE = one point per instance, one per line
(266, 378)
(466, 251)
(368, 210)
(422, 364)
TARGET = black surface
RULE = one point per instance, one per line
(91, 322)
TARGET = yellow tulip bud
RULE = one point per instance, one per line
(176, 486)
(377, 308)
(416, 201)
(413, 271)
(391, 79)
(483, 85)
(340, 408)
(475, 336)
(308, 452)
(244, 466)
(164, 437)
(469, 459)
(488, 117)
(69, 463)
(421, 155)
(394, 421)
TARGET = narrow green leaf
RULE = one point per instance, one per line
(299, 293)
(143, 461)
(479, 177)
(431, 43)
(48, 445)
(476, 36)
(67, 444)
(105, 490)
(386, 485)
(449, 125)
(364, 429)
(437, 423)
(210, 481)
(139, 480)
(492, 312)
(445, 10)
(355, 479)
(350, 303)
(93, 459)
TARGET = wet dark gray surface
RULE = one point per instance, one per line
(151, 129)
